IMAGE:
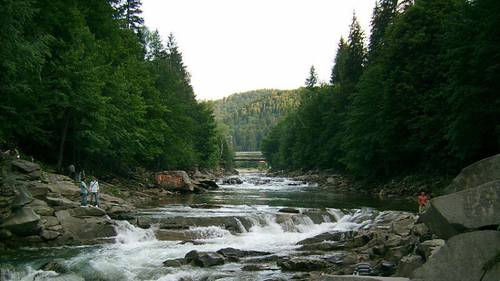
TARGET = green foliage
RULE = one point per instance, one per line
(84, 82)
(426, 100)
(249, 116)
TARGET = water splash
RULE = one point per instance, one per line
(129, 234)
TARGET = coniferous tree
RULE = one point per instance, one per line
(356, 55)
(339, 64)
(312, 79)
(383, 15)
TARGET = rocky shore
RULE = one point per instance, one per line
(457, 238)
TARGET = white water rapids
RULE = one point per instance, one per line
(138, 255)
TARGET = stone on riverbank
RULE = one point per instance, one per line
(175, 181)
(23, 222)
(466, 210)
(476, 174)
(303, 264)
(204, 259)
(462, 258)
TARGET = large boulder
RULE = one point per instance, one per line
(174, 180)
(24, 166)
(478, 173)
(303, 264)
(464, 257)
(91, 230)
(466, 210)
(23, 222)
(204, 259)
(325, 277)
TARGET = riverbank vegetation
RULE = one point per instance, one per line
(85, 82)
(422, 97)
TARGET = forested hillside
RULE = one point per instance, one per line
(85, 82)
(422, 97)
(250, 115)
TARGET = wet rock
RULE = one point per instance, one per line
(54, 266)
(204, 259)
(232, 180)
(408, 264)
(462, 258)
(427, 248)
(232, 252)
(289, 210)
(255, 267)
(476, 174)
(5, 234)
(23, 222)
(175, 181)
(319, 216)
(209, 184)
(205, 206)
(271, 258)
(328, 236)
(175, 262)
(325, 277)
(302, 264)
(83, 212)
(323, 246)
(467, 210)
(174, 235)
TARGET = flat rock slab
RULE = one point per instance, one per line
(23, 222)
(465, 210)
(357, 278)
(25, 166)
(476, 174)
(462, 258)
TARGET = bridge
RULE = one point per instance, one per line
(248, 156)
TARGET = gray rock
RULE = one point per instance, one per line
(328, 236)
(476, 174)
(323, 246)
(492, 273)
(232, 180)
(49, 221)
(408, 264)
(465, 210)
(175, 262)
(23, 222)
(204, 259)
(5, 234)
(319, 216)
(49, 234)
(83, 212)
(85, 230)
(255, 267)
(54, 266)
(232, 252)
(420, 229)
(289, 210)
(61, 202)
(303, 264)
(24, 166)
(325, 277)
(22, 197)
(429, 247)
(462, 258)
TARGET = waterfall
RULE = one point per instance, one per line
(129, 234)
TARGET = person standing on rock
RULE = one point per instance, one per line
(94, 192)
(422, 202)
(83, 192)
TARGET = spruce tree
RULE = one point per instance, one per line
(356, 57)
(339, 64)
(312, 80)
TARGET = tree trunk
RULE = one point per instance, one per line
(63, 140)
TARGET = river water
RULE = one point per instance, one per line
(138, 255)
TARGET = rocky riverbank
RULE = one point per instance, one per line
(38, 208)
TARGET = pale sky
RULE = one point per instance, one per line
(234, 46)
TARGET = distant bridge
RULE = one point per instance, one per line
(250, 156)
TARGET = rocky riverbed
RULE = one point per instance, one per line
(253, 228)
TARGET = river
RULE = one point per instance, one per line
(137, 254)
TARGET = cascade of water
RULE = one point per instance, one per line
(241, 226)
(129, 234)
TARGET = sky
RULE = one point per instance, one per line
(232, 46)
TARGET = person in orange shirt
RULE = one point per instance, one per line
(422, 202)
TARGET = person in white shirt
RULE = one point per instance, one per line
(94, 192)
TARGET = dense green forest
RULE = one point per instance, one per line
(422, 97)
(84, 82)
(249, 116)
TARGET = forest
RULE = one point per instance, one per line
(249, 116)
(421, 97)
(85, 82)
